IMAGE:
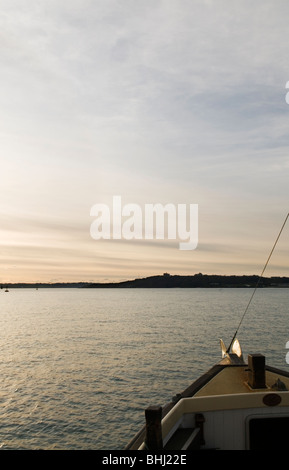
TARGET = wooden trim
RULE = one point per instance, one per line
(190, 391)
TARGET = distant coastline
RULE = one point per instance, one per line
(167, 281)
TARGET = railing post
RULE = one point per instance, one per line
(256, 371)
(154, 439)
(199, 422)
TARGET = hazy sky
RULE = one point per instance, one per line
(158, 101)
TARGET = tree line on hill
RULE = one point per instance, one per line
(169, 281)
(197, 280)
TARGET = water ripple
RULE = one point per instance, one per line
(79, 366)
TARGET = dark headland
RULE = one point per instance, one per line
(169, 281)
(198, 280)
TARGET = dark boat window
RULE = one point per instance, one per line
(268, 433)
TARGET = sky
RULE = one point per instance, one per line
(155, 101)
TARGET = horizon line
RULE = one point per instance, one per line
(39, 283)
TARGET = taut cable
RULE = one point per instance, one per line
(258, 282)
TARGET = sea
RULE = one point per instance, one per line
(80, 366)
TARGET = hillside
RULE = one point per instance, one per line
(197, 280)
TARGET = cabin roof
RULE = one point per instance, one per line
(234, 379)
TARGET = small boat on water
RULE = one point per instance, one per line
(236, 405)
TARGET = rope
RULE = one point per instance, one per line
(258, 282)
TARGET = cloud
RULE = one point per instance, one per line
(150, 100)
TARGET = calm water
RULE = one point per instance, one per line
(79, 366)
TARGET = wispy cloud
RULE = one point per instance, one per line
(166, 100)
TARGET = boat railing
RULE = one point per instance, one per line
(184, 413)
